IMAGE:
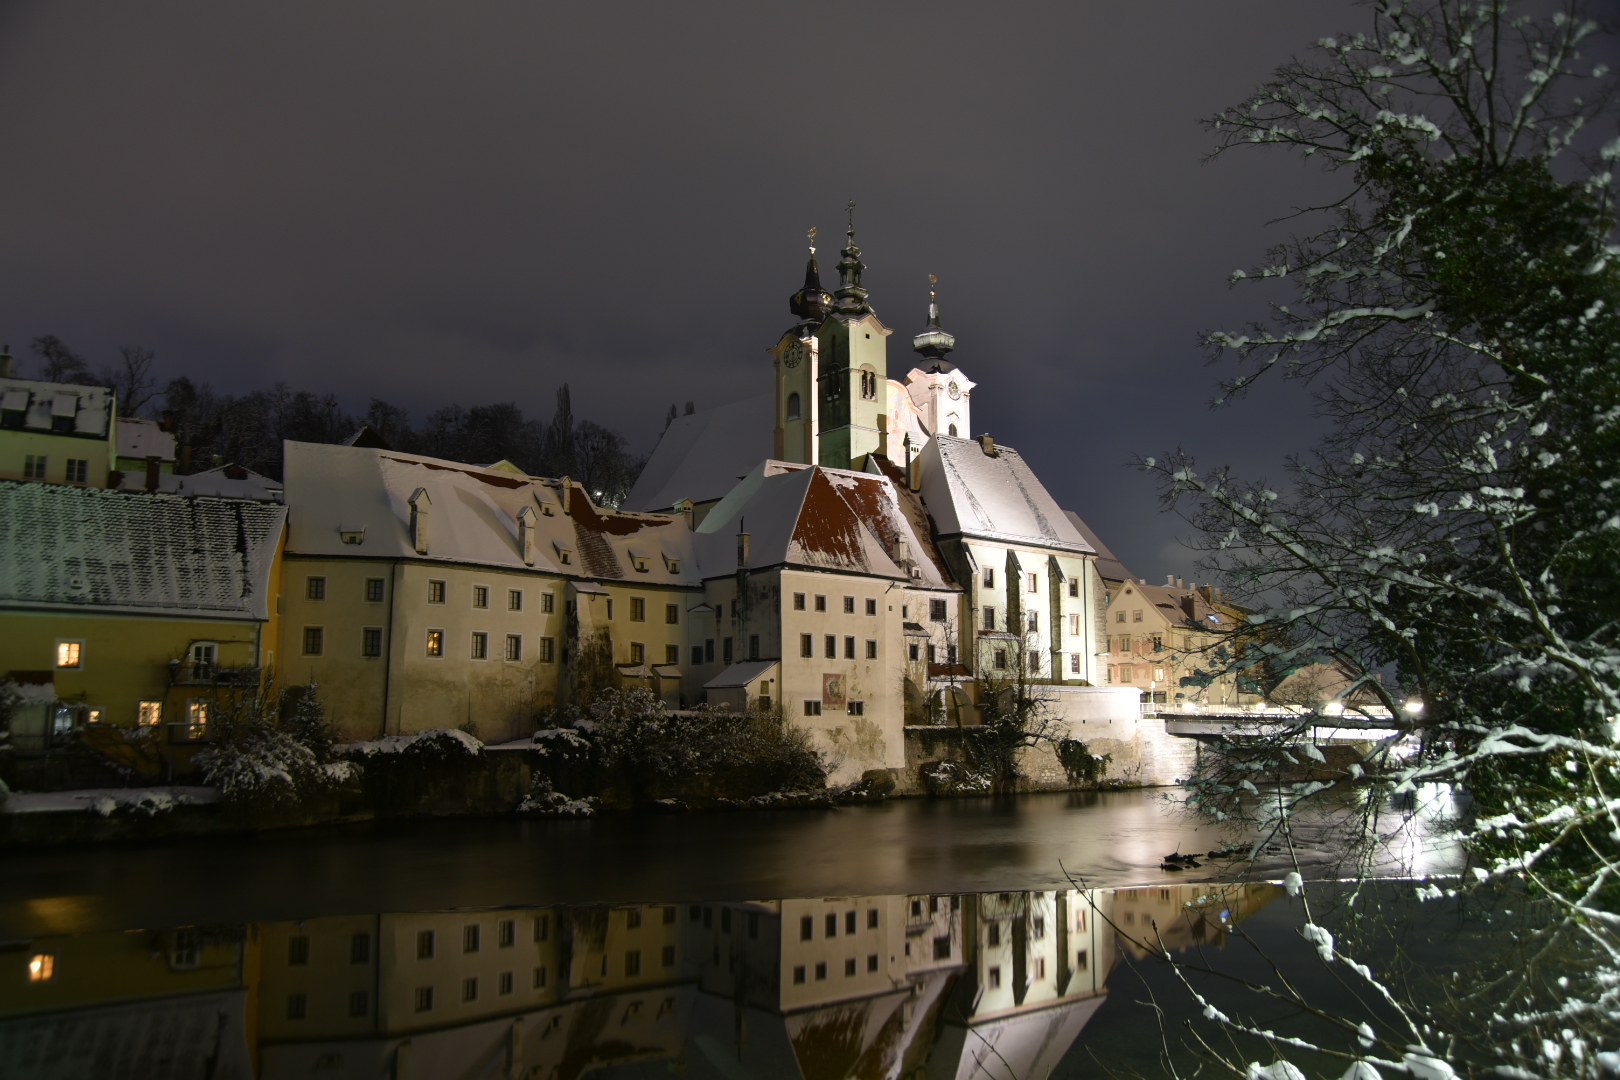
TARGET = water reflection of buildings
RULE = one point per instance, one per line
(904, 987)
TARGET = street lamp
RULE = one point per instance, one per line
(1414, 706)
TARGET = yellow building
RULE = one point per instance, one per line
(124, 610)
(60, 433)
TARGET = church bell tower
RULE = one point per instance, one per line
(853, 375)
(797, 357)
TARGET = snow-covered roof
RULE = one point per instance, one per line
(144, 439)
(992, 496)
(90, 408)
(227, 481)
(65, 547)
(740, 674)
(701, 456)
(356, 501)
(822, 519)
(1107, 564)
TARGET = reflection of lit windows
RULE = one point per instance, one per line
(41, 967)
(298, 950)
(424, 999)
(669, 956)
(632, 962)
(424, 944)
(506, 982)
(297, 1006)
(69, 654)
(469, 989)
(505, 933)
(148, 713)
(359, 1003)
(540, 978)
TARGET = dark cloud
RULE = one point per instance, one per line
(476, 202)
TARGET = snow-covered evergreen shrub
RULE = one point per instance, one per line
(271, 751)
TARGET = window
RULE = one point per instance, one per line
(632, 962)
(798, 601)
(424, 999)
(1034, 582)
(548, 650)
(989, 618)
(912, 649)
(435, 642)
(315, 588)
(435, 592)
(1074, 663)
(668, 956)
(1074, 624)
(871, 606)
(1001, 659)
(542, 927)
(424, 944)
(359, 1003)
(69, 654)
(1124, 644)
(936, 610)
(514, 647)
(806, 646)
(514, 599)
(793, 407)
(672, 614)
(371, 641)
(821, 603)
(1080, 960)
(374, 590)
(1033, 622)
(148, 713)
(708, 650)
(942, 948)
(697, 655)
(995, 978)
(196, 719)
(1040, 967)
(540, 978)
(360, 949)
(480, 645)
(1158, 674)
(1136, 616)
(798, 975)
(821, 972)
(469, 989)
(314, 640)
(297, 1005)
(989, 577)
(849, 605)
(298, 950)
(832, 924)
(34, 467)
(548, 603)
(1158, 643)
(871, 648)
(725, 649)
(1074, 586)
(753, 646)
(638, 609)
(849, 967)
(41, 967)
(857, 708)
(1120, 617)
(849, 647)
(931, 656)
(1034, 660)
(807, 928)
(831, 649)
(1037, 929)
(1124, 673)
(638, 653)
(812, 708)
(672, 654)
(470, 938)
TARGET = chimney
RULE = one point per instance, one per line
(5, 362)
(987, 443)
(742, 546)
(690, 408)
(902, 551)
(526, 523)
(420, 505)
(684, 508)
(567, 503)
(1169, 581)
(154, 465)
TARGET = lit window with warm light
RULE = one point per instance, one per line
(148, 713)
(41, 967)
(69, 654)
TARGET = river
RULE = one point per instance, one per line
(911, 939)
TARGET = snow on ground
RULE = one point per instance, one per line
(105, 801)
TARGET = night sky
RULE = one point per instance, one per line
(475, 202)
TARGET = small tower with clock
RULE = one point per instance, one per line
(797, 357)
(940, 391)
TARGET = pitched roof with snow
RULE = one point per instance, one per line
(83, 410)
(472, 517)
(143, 439)
(822, 519)
(702, 456)
(1107, 564)
(992, 497)
(70, 548)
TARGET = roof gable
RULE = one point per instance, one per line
(992, 496)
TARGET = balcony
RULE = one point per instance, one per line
(199, 673)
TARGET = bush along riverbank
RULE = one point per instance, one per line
(274, 764)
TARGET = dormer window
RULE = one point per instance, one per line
(565, 556)
(673, 565)
(639, 561)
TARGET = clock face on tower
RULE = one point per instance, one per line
(954, 390)
(791, 360)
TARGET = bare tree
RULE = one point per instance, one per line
(133, 383)
(58, 363)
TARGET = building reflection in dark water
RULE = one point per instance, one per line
(965, 985)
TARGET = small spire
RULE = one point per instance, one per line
(933, 343)
(811, 303)
(852, 299)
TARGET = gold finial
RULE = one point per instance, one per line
(812, 235)
(851, 209)
(932, 281)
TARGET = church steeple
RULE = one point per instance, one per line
(933, 343)
(811, 303)
(851, 297)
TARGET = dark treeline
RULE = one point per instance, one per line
(212, 428)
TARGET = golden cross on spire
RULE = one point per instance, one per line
(851, 209)
(812, 235)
